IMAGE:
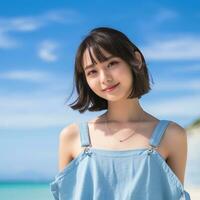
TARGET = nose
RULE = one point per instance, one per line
(105, 76)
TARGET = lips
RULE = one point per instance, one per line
(111, 87)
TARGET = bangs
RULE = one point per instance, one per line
(97, 54)
(97, 48)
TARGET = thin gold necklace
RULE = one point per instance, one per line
(122, 140)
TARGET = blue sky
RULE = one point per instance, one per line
(38, 42)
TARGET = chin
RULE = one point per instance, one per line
(115, 98)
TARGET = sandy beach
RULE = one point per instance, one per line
(194, 193)
(192, 175)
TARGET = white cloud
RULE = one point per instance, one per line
(34, 110)
(180, 48)
(173, 85)
(26, 75)
(32, 23)
(47, 51)
(188, 69)
(47, 80)
(63, 16)
(7, 42)
(25, 24)
(164, 14)
(181, 107)
(152, 23)
(20, 24)
(43, 106)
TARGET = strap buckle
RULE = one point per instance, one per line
(151, 149)
(87, 150)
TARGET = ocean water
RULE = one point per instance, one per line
(25, 191)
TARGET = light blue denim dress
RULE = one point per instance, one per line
(136, 174)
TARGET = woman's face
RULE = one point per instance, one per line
(113, 72)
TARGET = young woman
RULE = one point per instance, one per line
(125, 153)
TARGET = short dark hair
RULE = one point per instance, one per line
(117, 44)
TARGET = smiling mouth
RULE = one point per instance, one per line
(111, 88)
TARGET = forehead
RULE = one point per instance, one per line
(87, 60)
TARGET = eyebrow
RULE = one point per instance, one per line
(92, 65)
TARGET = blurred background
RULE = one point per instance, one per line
(38, 42)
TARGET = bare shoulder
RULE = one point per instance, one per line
(176, 139)
(67, 139)
(175, 133)
(174, 136)
(69, 132)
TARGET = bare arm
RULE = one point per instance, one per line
(177, 150)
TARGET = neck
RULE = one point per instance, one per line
(126, 111)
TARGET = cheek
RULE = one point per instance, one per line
(124, 73)
(92, 84)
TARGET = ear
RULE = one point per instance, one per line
(138, 58)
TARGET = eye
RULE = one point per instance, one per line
(113, 63)
(91, 72)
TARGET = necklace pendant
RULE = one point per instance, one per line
(106, 124)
